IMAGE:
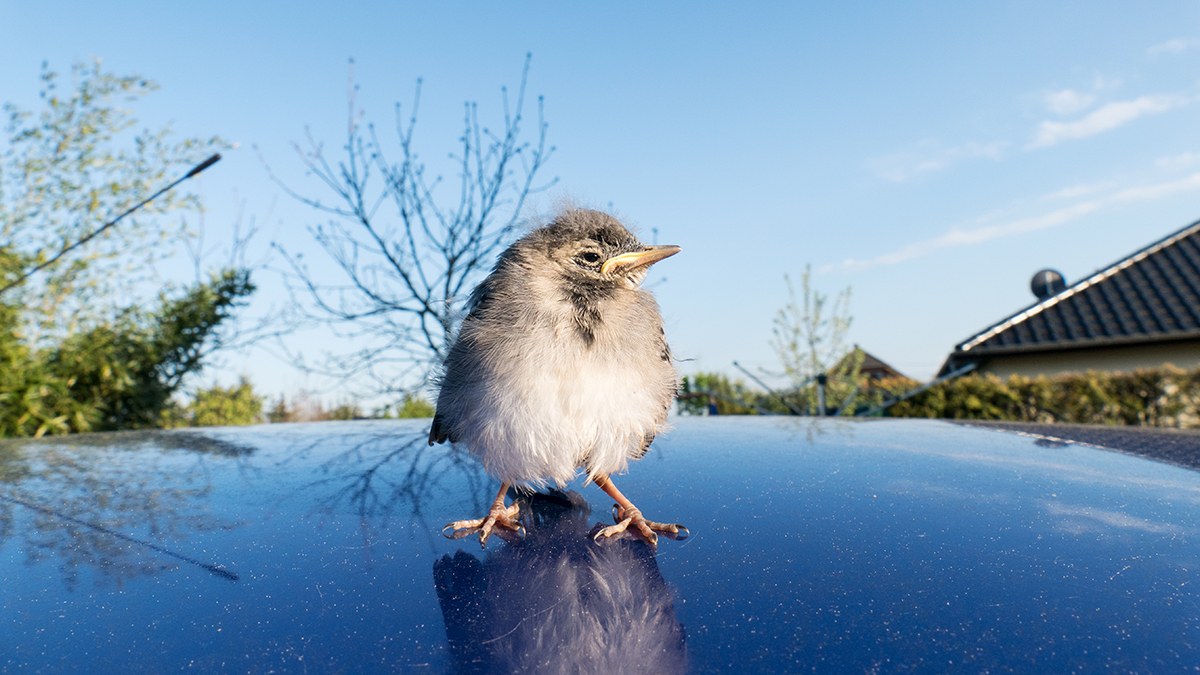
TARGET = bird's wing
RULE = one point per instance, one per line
(479, 297)
(641, 452)
(664, 349)
(438, 433)
(478, 304)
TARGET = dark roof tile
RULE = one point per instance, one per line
(1151, 295)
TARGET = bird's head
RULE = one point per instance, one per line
(594, 249)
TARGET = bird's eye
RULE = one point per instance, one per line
(591, 257)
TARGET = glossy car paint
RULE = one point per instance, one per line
(816, 546)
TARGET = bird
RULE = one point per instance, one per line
(560, 365)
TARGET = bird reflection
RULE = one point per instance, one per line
(556, 601)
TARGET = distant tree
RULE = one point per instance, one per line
(307, 408)
(410, 407)
(408, 254)
(225, 406)
(810, 340)
(304, 407)
(348, 410)
(64, 172)
(279, 412)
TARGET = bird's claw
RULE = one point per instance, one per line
(624, 518)
(510, 529)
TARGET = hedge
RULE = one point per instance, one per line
(1165, 397)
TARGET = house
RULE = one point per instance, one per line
(1141, 312)
(872, 367)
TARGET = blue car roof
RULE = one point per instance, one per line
(815, 545)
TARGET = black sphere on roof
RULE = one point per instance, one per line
(1046, 283)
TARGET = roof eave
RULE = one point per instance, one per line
(1066, 345)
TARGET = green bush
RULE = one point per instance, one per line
(410, 407)
(118, 374)
(414, 408)
(1166, 397)
(34, 400)
(223, 407)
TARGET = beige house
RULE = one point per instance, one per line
(1140, 312)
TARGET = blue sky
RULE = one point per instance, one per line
(930, 156)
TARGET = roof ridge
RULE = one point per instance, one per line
(1073, 289)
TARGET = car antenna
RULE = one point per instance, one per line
(67, 249)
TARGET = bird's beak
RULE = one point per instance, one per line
(627, 262)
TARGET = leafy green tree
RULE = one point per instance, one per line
(119, 374)
(71, 358)
(128, 370)
(67, 170)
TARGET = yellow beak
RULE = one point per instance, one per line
(626, 262)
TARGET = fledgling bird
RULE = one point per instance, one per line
(561, 364)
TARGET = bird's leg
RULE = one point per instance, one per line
(627, 514)
(499, 514)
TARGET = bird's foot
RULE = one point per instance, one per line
(626, 517)
(504, 519)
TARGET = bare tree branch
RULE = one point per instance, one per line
(405, 253)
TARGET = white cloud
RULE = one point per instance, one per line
(1107, 117)
(1178, 161)
(929, 157)
(959, 237)
(1079, 190)
(1175, 46)
(1068, 101)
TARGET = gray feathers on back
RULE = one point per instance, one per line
(558, 364)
